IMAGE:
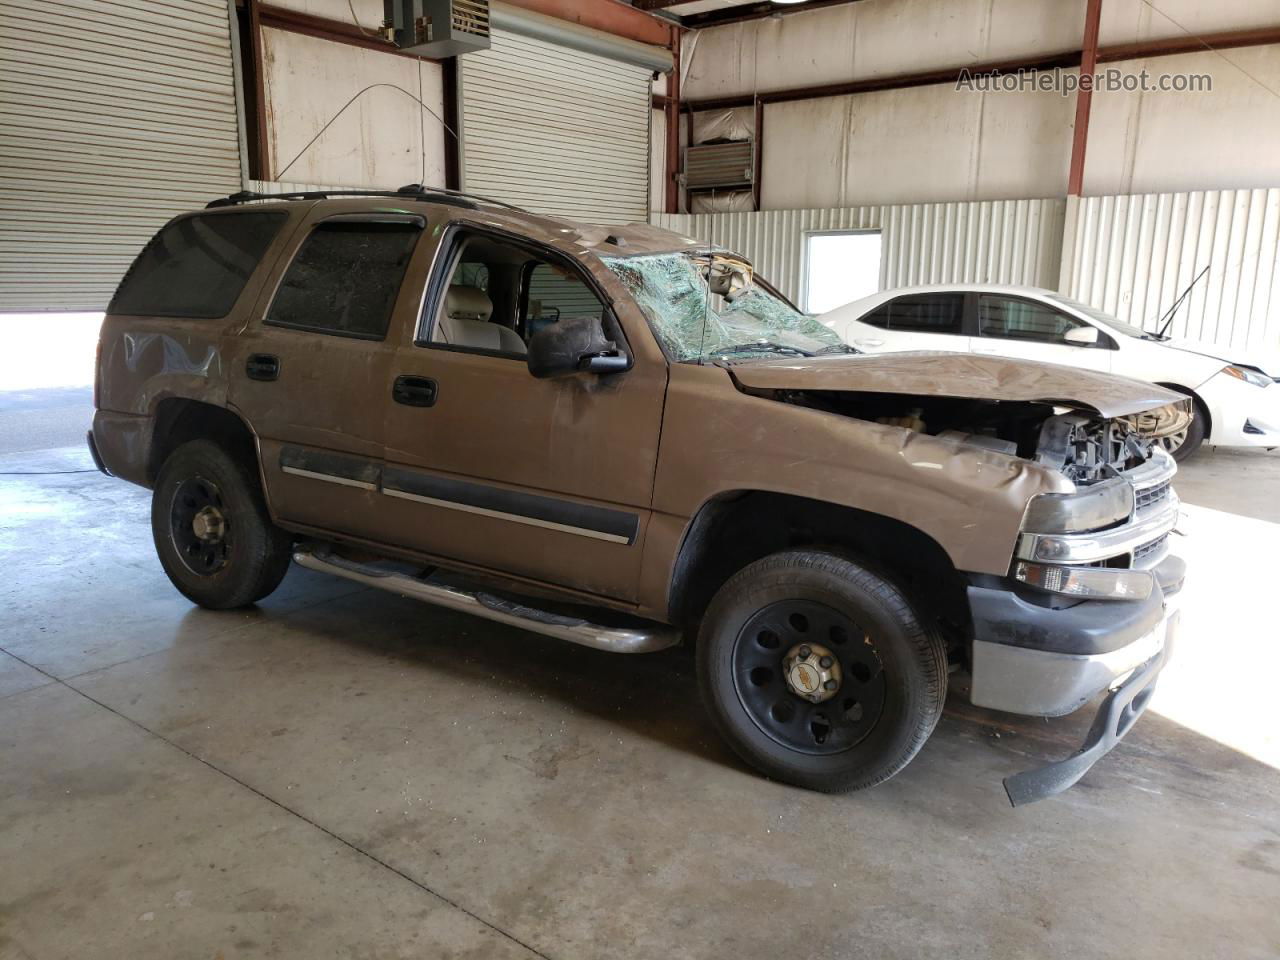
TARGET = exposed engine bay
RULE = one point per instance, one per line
(1085, 448)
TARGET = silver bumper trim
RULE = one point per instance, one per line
(1042, 684)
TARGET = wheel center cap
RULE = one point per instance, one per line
(812, 672)
(209, 525)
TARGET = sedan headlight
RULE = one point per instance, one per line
(1247, 375)
(1087, 583)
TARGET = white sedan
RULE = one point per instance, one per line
(1237, 400)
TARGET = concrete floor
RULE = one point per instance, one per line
(340, 772)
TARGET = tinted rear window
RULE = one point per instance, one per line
(196, 266)
(924, 313)
(345, 278)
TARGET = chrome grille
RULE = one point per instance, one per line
(1148, 497)
(1147, 552)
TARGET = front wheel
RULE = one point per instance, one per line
(212, 532)
(1183, 444)
(818, 672)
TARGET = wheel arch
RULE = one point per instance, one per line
(736, 528)
(178, 420)
(1201, 406)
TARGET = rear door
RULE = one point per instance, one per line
(1028, 329)
(311, 367)
(917, 321)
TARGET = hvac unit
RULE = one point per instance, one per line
(437, 28)
(725, 165)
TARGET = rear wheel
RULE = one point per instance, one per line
(211, 529)
(818, 672)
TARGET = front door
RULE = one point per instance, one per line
(312, 365)
(549, 480)
(1011, 326)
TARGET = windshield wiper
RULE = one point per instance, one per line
(760, 346)
(837, 348)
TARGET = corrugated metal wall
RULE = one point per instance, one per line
(113, 118)
(996, 241)
(555, 130)
(1134, 255)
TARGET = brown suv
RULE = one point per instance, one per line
(619, 436)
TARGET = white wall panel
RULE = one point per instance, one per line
(993, 241)
(1167, 142)
(1132, 256)
(113, 118)
(1128, 22)
(873, 38)
(929, 143)
(380, 140)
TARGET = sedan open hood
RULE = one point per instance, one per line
(957, 375)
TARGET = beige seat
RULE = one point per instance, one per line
(466, 323)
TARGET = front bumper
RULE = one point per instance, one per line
(1039, 661)
(1116, 717)
(1241, 414)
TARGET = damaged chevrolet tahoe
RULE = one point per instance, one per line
(621, 438)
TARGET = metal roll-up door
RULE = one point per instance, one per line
(114, 116)
(556, 130)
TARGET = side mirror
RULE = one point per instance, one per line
(1081, 336)
(574, 345)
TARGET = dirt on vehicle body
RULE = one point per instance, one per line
(620, 437)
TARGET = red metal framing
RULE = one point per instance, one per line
(671, 165)
(1084, 97)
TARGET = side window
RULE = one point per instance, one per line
(553, 292)
(879, 317)
(927, 313)
(500, 294)
(1012, 319)
(345, 278)
(197, 266)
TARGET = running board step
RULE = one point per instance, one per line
(573, 629)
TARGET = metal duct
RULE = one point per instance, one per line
(577, 37)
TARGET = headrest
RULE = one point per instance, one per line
(467, 303)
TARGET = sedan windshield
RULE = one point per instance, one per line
(695, 324)
(1105, 318)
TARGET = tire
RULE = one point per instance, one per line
(1186, 446)
(229, 555)
(893, 670)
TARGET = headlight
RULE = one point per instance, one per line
(1247, 375)
(1093, 508)
(1087, 583)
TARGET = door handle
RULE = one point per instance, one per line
(414, 391)
(262, 366)
(869, 343)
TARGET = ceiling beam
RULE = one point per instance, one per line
(609, 16)
(753, 11)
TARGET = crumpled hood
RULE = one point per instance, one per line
(958, 375)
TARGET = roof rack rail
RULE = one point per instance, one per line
(411, 191)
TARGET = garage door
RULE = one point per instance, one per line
(555, 130)
(114, 116)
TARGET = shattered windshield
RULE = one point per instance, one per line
(694, 320)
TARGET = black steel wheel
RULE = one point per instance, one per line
(770, 675)
(199, 526)
(818, 671)
(211, 528)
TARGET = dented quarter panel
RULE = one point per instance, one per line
(717, 440)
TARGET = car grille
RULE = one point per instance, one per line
(1149, 497)
(1148, 550)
